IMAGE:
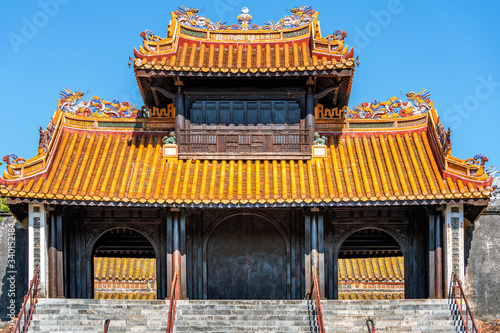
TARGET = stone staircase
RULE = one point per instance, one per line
(88, 315)
(401, 316)
(80, 315)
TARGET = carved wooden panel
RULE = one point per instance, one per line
(294, 143)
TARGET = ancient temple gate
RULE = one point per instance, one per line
(245, 169)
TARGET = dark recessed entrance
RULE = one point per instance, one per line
(370, 266)
(246, 259)
(124, 266)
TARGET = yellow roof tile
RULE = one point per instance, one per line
(185, 49)
(129, 167)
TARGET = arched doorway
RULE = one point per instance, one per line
(370, 265)
(124, 266)
(246, 259)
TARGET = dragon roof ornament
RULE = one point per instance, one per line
(46, 136)
(416, 104)
(96, 107)
(191, 39)
(190, 17)
(13, 159)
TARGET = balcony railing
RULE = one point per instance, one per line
(291, 144)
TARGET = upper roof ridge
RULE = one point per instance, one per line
(193, 41)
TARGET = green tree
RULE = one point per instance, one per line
(3, 206)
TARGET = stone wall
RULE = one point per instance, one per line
(482, 279)
(13, 265)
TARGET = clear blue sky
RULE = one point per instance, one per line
(448, 47)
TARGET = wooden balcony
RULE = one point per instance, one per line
(231, 144)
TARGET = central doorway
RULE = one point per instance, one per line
(246, 259)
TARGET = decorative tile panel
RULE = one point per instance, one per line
(36, 241)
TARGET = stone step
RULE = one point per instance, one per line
(257, 326)
(223, 316)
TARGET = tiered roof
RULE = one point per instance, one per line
(119, 161)
(98, 152)
(195, 47)
(293, 44)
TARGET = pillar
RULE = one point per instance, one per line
(439, 257)
(52, 256)
(454, 243)
(310, 121)
(37, 247)
(180, 114)
(176, 250)
(431, 254)
(59, 254)
(314, 250)
(55, 254)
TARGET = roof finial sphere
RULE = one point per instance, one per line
(245, 10)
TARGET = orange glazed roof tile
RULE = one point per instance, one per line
(120, 162)
(194, 44)
(142, 295)
(375, 269)
(124, 269)
(356, 295)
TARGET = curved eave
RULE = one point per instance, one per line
(244, 72)
(38, 166)
(126, 166)
(483, 200)
(146, 57)
(208, 51)
(120, 161)
(451, 167)
(34, 167)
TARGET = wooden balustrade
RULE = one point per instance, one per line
(201, 142)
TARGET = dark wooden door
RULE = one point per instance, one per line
(246, 259)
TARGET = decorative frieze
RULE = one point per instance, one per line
(36, 242)
(454, 243)
(37, 253)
